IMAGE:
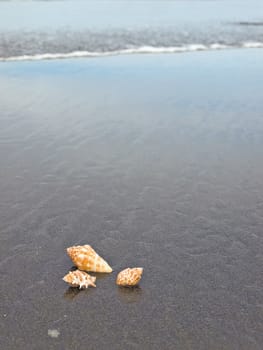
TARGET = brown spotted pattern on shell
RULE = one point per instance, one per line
(79, 279)
(85, 258)
(129, 277)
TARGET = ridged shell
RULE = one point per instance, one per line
(129, 277)
(85, 258)
(79, 279)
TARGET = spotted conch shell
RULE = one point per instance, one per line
(129, 277)
(85, 258)
(79, 279)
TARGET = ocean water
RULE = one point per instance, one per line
(55, 29)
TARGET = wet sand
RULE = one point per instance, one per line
(156, 161)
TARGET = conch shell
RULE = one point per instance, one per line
(85, 258)
(129, 277)
(79, 279)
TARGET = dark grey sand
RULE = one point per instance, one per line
(156, 161)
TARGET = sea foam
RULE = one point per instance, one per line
(133, 50)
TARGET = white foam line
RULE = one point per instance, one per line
(50, 56)
(138, 50)
(253, 45)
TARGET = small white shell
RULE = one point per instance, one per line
(79, 279)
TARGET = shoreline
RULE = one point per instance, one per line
(136, 51)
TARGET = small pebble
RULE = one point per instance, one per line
(53, 333)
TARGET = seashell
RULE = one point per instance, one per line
(85, 258)
(129, 277)
(79, 279)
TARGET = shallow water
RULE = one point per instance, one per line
(156, 161)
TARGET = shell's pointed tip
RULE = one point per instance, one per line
(69, 249)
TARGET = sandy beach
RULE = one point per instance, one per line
(154, 160)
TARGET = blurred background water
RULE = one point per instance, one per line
(52, 29)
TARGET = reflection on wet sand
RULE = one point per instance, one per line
(130, 295)
(126, 295)
(72, 292)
